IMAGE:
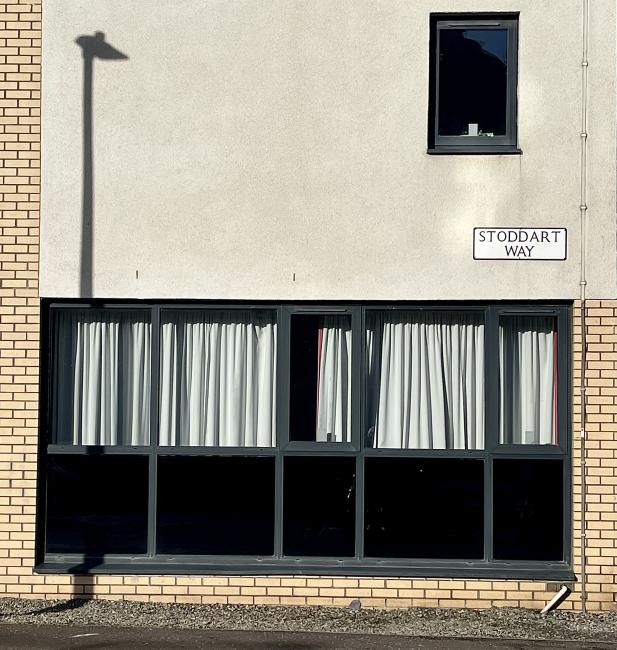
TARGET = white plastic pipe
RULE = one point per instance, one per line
(559, 597)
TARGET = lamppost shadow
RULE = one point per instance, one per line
(93, 47)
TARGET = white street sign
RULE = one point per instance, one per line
(520, 243)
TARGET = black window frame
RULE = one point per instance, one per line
(151, 563)
(501, 144)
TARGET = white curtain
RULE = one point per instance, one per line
(218, 375)
(425, 387)
(527, 380)
(102, 377)
(334, 380)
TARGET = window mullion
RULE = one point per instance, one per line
(282, 421)
(491, 425)
(154, 428)
(278, 505)
(361, 431)
(359, 506)
(488, 508)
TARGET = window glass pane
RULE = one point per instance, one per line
(319, 506)
(215, 505)
(97, 504)
(528, 509)
(528, 380)
(473, 81)
(218, 378)
(424, 508)
(425, 384)
(320, 382)
(101, 381)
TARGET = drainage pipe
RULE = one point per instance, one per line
(583, 299)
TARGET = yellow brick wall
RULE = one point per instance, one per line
(20, 42)
(601, 444)
(20, 34)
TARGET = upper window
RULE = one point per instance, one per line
(473, 84)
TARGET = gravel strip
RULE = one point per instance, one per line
(493, 623)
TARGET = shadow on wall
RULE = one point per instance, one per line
(93, 47)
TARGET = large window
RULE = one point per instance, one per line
(473, 83)
(407, 440)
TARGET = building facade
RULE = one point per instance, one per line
(323, 306)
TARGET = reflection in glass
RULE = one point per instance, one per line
(320, 381)
(472, 82)
(528, 380)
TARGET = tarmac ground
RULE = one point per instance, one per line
(57, 637)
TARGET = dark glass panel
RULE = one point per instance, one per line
(424, 508)
(528, 509)
(319, 506)
(97, 504)
(215, 505)
(303, 377)
(473, 82)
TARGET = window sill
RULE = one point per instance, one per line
(500, 150)
(268, 566)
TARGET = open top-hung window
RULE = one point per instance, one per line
(320, 382)
(473, 83)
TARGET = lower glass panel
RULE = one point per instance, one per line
(97, 504)
(215, 505)
(424, 508)
(528, 509)
(319, 506)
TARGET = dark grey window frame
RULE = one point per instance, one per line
(151, 563)
(505, 144)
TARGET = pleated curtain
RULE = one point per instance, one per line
(218, 379)
(101, 377)
(425, 384)
(528, 380)
(334, 380)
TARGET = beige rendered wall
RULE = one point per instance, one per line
(277, 150)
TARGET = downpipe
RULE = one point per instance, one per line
(583, 301)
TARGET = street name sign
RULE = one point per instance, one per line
(520, 243)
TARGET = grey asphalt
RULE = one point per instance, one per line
(52, 637)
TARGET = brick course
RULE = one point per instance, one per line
(20, 40)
